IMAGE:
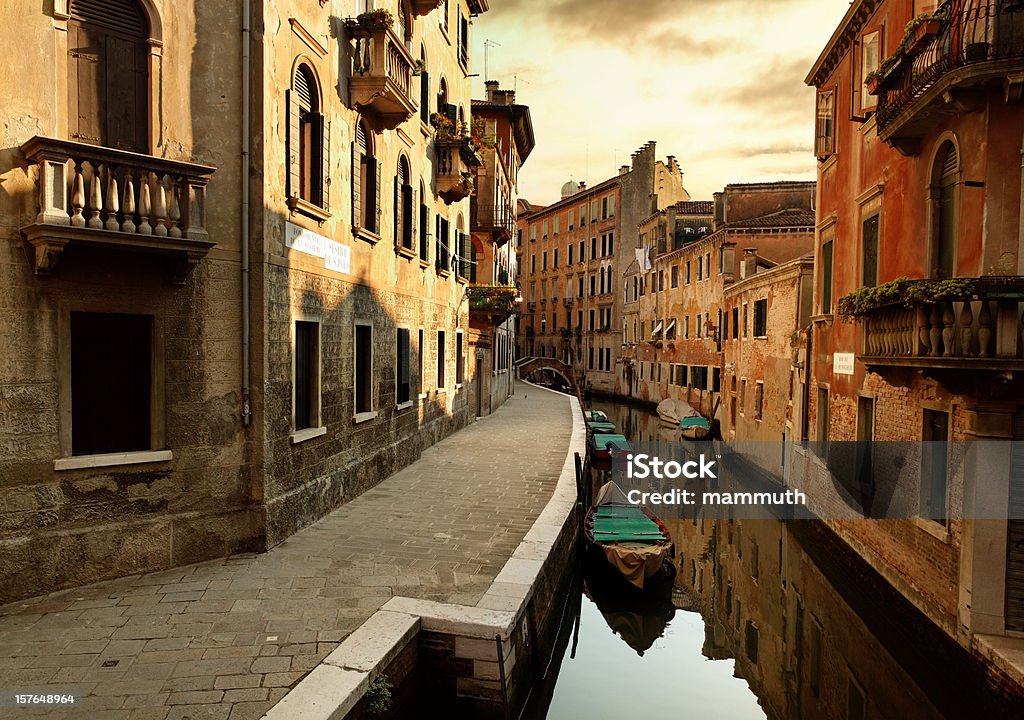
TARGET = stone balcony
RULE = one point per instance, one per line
(939, 75)
(425, 7)
(499, 220)
(381, 85)
(499, 302)
(456, 161)
(980, 328)
(101, 197)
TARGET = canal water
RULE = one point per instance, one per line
(765, 619)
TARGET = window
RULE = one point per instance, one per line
(583, 249)
(687, 272)
(363, 350)
(870, 58)
(675, 276)
(557, 222)
(758, 400)
(424, 89)
(604, 208)
(569, 251)
(403, 381)
(108, 79)
(822, 421)
(661, 281)
(111, 383)
(403, 206)
(591, 320)
(700, 269)
(611, 243)
(826, 273)
(824, 131)
(593, 285)
(460, 263)
(442, 238)
(593, 248)
(943, 201)
(750, 641)
(365, 183)
(934, 465)
(580, 288)
(743, 396)
(725, 325)
(308, 141)
(554, 259)
(815, 657)
(716, 379)
(460, 363)
(869, 251)
(545, 231)
(735, 323)
(463, 39)
(440, 359)
(699, 377)
(761, 318)
(544, 262)
(746, 319)
(686, 326)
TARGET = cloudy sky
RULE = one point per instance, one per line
(718, 84)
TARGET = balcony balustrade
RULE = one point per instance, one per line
(982, 328)
(90, 195)
(381, 83)
(425, 7)
(499, 220)
(456, 161)
(977, 42)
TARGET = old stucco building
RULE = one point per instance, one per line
(233, 277)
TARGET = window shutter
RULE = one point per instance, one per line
(453, 114)
(293, 143)
(325, 161)
(424, 230)
(425, 96)
(357, 209)
(397, 210)
(86, 70)
(376, 205)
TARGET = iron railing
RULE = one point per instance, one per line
(972, 32)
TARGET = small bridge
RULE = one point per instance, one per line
(544, 371)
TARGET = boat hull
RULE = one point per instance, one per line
(637, 563)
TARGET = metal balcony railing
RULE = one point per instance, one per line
(972, 32)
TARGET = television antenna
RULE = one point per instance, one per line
(488, 44)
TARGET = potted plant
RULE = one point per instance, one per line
(443, 125)
(871, 82)
(418, 67)
(920, 31)
(375, 20)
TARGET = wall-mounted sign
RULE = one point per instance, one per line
(842, 363)
(336, 256)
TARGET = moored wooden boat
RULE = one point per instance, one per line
(605, 446)
(595, 415)
(631, 539)
(695, 427)
(596, 426)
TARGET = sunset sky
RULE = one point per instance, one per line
(717, 83)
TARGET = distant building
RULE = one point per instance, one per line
(572, 256)
(674, 340)
(920, 245)
(505, 131)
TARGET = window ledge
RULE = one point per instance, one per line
(405, 252)
(301, 436)
(403, 406)
(370, 237)
(364, 417)
(443, 273)
(823, 319)
(79, 462)
(936, 529)
(422, 396)
(458, 386)
(307, 208)
(424, 264)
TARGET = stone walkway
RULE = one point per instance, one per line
(225, 640)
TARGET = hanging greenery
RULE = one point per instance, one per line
(905, 292)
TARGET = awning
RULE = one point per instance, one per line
(656, 331)
(670, 328)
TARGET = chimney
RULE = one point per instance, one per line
(623, 169)
(748, 267)
(492, 89)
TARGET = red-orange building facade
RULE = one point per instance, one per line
(919, 141)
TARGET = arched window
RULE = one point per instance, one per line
(308, 141)
(943, 194)
(403, 206)
(365, 182)
(442, 100)
(424, 88)
(108, 79)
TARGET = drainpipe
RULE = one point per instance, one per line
(1020, 218)
(246, 369)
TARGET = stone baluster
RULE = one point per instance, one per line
(909, 332)
(113, 200)
(144, 205)
(948, 320)
(935, 333)
(174, 208)
(923, 339)
(872, 335)
(160, 207)
(129, 202)
(966, 329)
(78, 198)
(95, 199)
(984, 330)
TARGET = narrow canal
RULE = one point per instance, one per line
(755, 625)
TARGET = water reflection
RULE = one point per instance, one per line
(764, 625)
